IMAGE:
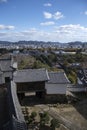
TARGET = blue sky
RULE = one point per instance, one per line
(43, 20)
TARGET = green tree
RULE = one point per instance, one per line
(33, 115)
(27, 117)
(55, 124)
(52, 57)
(44, 118)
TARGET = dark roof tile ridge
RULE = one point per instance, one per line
(31, 69)
(56, 72)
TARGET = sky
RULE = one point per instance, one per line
(43, 20)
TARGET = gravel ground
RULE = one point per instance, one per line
(75, 114)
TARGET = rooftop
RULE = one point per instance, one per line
(30, 75)
(58, 77)
(5, 65)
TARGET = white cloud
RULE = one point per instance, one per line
(57, 15)
(63, 33)
(71, 28)
(48, 4)
(47, 15)
(72, 32)
(4, 27)
(85, 12)
(47, 23)
(10, 27)
(3, 0)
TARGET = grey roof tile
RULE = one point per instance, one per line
(30, 75)
(5, 65)
(57, 77)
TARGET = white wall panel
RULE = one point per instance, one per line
(56, 88)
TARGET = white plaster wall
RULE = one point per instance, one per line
(55, 88)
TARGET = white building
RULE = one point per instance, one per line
(56, 86)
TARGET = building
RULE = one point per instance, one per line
(10, 110)
(31, 80)
(56, 86)
(50, 86)
(5, 70)
(84, 48)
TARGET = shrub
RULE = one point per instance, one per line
(55, 124)
(44, 118)
(33, 115)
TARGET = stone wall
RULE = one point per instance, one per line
(4, 116)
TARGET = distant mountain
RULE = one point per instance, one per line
(76, 43)
(41, 43)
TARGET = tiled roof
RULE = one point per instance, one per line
(1, 72)
(30, 75)
(57, 77)
(5, 65)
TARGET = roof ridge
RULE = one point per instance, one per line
(31, 69)
(56, 72)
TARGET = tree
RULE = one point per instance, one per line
(44, 118)
(72, 76)
(55, 124)
(52, 57)
(33, 115)
(27, 117)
